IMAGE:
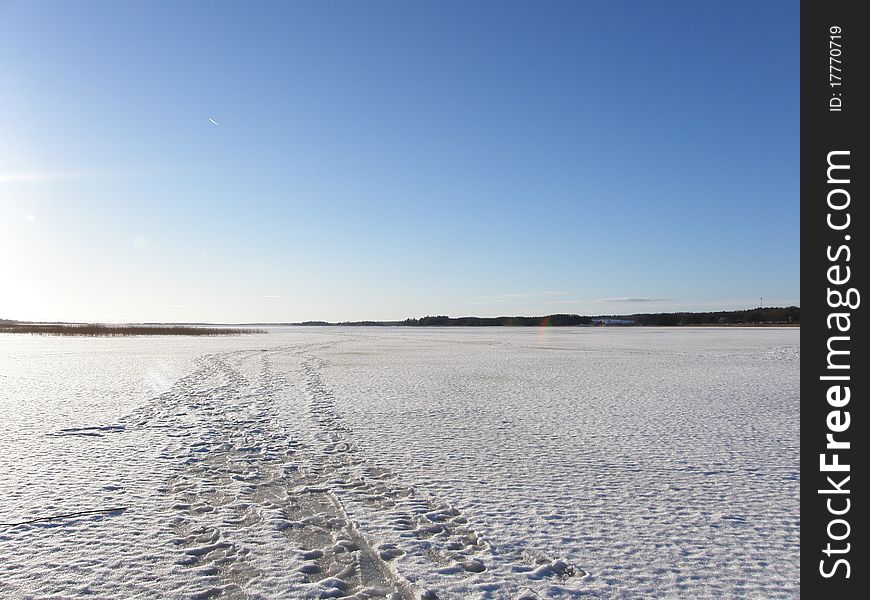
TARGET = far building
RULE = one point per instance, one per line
(612, 322)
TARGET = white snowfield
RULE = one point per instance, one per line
(402, 463)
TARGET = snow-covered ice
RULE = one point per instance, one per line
(402, 463)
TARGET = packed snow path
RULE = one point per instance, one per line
(403, 464)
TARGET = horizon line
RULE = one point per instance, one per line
(390, 321)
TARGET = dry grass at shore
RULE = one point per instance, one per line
(97, 330)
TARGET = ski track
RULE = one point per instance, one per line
(260, 488)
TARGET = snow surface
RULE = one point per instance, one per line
(402, 463)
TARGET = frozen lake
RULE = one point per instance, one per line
(402, 463)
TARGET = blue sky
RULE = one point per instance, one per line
(380, 160)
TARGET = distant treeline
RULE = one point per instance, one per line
(551, 320)
(757, 316)
(96, 330)
(789, 315)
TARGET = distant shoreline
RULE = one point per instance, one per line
(765, 317)
(748, 325)
(757, 317)
(99, 330)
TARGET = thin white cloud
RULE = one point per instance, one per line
(270, 296)
(180, 306)
(213, 122)
(30, 217)
(521, 296)
(623, 299)
(567, 302)
(632, 299)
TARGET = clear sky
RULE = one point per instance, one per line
(382, 160)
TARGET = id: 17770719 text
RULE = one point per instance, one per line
(835, 68)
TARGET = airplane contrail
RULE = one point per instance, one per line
(214, 122)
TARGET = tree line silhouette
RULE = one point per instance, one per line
(789, 315)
